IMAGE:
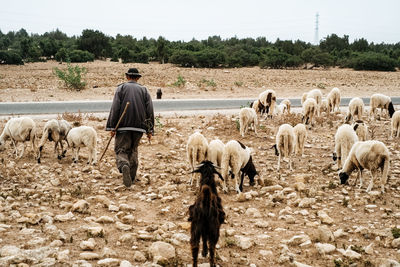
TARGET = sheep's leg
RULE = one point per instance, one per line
(212, 255)
(290, 164)
(371, 183)
(236, 182)
(22, 151)
(279, 162)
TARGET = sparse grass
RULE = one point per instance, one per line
(180, 82)
(238, 83)
(332, 185)
(229, 242)
(210, 83)
(358, 249)
(396, 232)
(237, 124)
(75, 118)
(321, 86)
(345, 202)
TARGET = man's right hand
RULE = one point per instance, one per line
(112, 133)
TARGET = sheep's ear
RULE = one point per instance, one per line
(355, 127)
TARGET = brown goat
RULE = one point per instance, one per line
(206, 214)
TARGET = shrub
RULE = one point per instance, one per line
(72, 76)
(62, 55)
(10, 57)
(274, 59)
(183, 58)
(80, 56)
(374, 61)
(180, 82)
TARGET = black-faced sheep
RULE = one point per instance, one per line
(247, 118)
(284, 145)
(371, 155)
(57, 131)
(237, 157)
(383, 102)
(19, 130)
(356, 109)
(268, 100)
(345, 137)
(334, 99)
(257, 106)
(300, 136)
(361, 130)
(309, 109)
(80, 137)
(196, 149)
(214, 152)
(206, 214)
(395, 124)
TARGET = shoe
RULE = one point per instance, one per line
(126, 176)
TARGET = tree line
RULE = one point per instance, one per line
(20, 47)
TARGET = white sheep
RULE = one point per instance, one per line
(247, 118)
(309, 109)
(57, 131)
(324, 106)
(283, 107)
(300, 137)
(237, 157)
(371, 155)
(268, 100)
(315, 94)
(284, 146)
(334, 99)
(214, 152)
(80, 137)
(19, 130)
(396, 124)
(356, 109)
(345, 137)
(196, 149)
(257, 106)
(383, 102)
(361, 130)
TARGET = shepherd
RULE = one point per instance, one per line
(138, 119)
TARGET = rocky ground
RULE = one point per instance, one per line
(36, 81)
(59, 214)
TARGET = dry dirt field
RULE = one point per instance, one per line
(62, 214)
(36, 82)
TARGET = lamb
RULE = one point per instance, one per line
(196, 149)
(300, 136)
(83, 136)
(396, 124)
(310, 107)
(268, 100)
(19, 130)
(57, 131)
(345, 137)
(284, 146)
(237, 157)
(334, 99)
(324, 106)
(361, 130)
(371, 155)
(257, 106)
(356, 109)
(206, 214)
(383, 102)
(317, 95)
(247, 117)
(283, 107)
(214, 152)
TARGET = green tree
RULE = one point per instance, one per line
(161, 49)
(96, 43)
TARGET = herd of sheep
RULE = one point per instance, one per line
(353, 150)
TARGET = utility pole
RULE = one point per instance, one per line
(316, 37)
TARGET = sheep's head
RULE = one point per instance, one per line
(391, 109)
(250, 170)
(343, 177)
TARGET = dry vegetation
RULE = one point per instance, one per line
(272, 215)
(35, 81)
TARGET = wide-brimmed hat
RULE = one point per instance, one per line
(133, 72)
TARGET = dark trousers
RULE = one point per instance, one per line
(126, 150)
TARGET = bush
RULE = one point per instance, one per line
(183, 58)
(80, 56)
(374, 61)
(274, 59)
(72, 76)
(62, 55)
(10, 57)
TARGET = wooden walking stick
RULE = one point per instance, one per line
(116, 127)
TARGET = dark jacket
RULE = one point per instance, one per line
(139, 115)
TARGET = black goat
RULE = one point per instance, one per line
(206, 214)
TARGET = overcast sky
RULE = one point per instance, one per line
(377, 21)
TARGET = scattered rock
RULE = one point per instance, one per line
(81, 206)
(324, 248)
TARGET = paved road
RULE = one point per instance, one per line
(19, 108)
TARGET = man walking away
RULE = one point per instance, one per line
(138, 119)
